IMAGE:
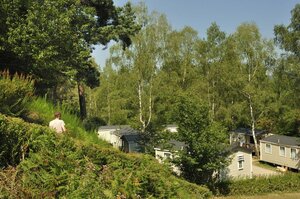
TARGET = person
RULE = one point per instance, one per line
(57, 124)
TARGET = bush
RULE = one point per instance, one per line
(15, 93)
(15, 139)
(289, 182)
(93, 123)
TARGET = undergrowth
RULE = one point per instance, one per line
(38, 163)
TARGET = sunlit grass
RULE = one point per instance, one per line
(264, 165)
(74, 126)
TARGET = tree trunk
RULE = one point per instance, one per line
(253, 125)
(142, 120)
(213, 101)
(82, 103)
(141, 108)
(54, 95)
(108, 107)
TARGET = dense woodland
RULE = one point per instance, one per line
(207, 85)
(244, 79)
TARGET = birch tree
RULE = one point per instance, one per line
(210, 59)
(142, 60)
(254, 53)
(149, 47)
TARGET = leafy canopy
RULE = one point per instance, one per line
(205, 151)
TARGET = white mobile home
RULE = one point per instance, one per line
(281, 150)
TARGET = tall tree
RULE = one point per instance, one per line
(206, 147)
(143, 59)
(252, 76)
(114, 96)
(53, 40)
(287, 75)
(178, 71)
(210, 59)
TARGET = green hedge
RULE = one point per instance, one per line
(288, 182)
(17, 138)
(61, 166)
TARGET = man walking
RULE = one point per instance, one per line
(57, 124)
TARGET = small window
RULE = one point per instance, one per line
(268, 148)
(282, 151)
(241, 162)
(294, 155)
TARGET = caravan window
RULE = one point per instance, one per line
(294, 155)
(241, 162)
(282, 151)
(268, 148)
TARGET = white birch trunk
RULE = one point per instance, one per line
(109, 105)
(141, 107)
(142, 119)
(253, 125)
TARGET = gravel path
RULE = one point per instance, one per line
(259, 171)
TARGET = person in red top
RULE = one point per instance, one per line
(57, 124)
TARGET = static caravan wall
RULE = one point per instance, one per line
(271, 154)
(105, 135)
(234, 170)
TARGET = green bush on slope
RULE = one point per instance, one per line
(288, 182)
(61, 166)
(15, 92)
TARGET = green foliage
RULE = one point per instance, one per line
(287, 77)
(232, 73)
(93, 123)
(289, 182)
(16, 139)
(53, 40)
(16, 92)
(205, 151)
(60, 166)
(288, 36)
(44, 112)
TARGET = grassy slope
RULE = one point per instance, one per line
(78, 164)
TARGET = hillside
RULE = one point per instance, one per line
(36, 162)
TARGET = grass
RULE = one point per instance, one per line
(75, 129)
(265, 165)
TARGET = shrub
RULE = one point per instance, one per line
(15, 139)
(15, 93)
(92, 123)
(289, 182)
